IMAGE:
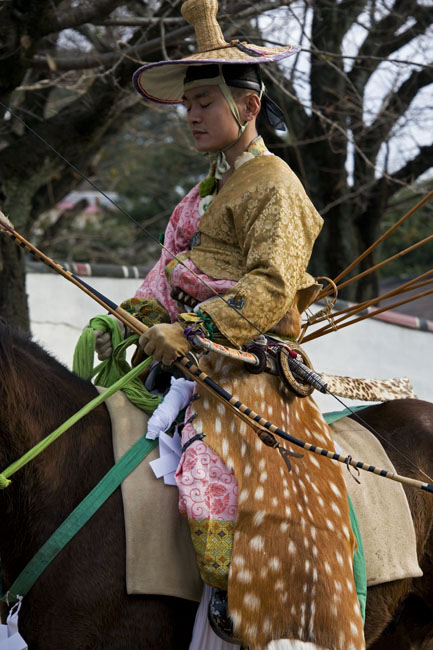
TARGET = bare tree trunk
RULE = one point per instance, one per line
(13, 297)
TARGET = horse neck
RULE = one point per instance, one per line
(45, 491)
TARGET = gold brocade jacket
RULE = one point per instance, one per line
(259, 230)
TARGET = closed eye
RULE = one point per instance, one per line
(188, 108)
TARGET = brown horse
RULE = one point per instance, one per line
(80, 602)
(400, 613)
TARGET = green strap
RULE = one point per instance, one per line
(334, 416)
(359, 567)
(78, 517)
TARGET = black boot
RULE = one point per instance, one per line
(219, 619)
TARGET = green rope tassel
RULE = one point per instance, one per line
(112, 369)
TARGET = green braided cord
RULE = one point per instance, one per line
(82, 363)
(43, 444)
(112, 369)
(207, 322)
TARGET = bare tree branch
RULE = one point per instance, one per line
(340, 15)
(77, 16)
(382, 40)
(138, 21)
(357, 58)
(394, 107)
(139, 52)
(350, 11)
(97, 42)
(415, 167)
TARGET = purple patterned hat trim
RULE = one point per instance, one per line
(272, 58)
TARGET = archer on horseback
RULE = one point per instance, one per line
(246, 234)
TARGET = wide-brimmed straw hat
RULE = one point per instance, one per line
(163, 81)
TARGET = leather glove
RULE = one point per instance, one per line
(103, 344)
(165, 342)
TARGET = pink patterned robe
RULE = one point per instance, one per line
(208, 489)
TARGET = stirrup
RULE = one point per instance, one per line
(219, 619)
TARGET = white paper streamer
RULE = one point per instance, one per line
(10, 638)
(170, 451)
(170, 448)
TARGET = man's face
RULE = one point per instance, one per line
(210, 119)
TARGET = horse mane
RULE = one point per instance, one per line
(27, 370)
(38, 394)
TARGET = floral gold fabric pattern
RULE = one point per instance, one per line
(259, 231)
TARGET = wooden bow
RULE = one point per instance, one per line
(191, 370)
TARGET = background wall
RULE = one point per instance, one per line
(59, 311)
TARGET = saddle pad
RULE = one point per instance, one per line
(160, 557)
(381, 507)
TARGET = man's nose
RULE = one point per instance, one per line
(194, 115)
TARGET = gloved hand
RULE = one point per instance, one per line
(103, 345)
(165, 342)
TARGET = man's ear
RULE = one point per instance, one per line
(252, 106)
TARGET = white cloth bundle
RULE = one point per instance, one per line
(179, 395)
(10, 638)
(170, 448)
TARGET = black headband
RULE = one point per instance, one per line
(241, 75)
